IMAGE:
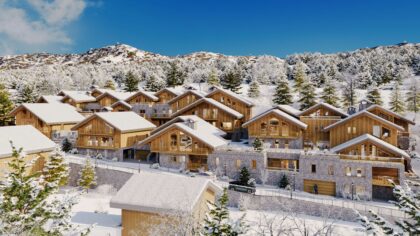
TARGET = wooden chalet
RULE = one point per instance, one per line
(54, 120)
(187, 140)
(121, 106)
(185, 99)
(216, 113)
(276, 127)
(166, 94)
(112, 134)
(78, 99)
(232, 100)
(142, 97)
(36, 146)
(317, 117)
(49, 99)
(96, 92)
(110, 97)
(149, 199)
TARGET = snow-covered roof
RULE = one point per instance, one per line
(161, 192)
(78, 96)
(126, 121)
(370, 138)
(150, 95)
(50, 99)
(175, 91)
(120, 102)
(375, 106)
(101, 90)
(199, 130)
(289, 110)
(212, 102)
(116, 95)
(195, 92)
(280, 113)
(216, 89)
(23, 136)
(325, 105)
(200, 122)
(52, 113)
(361, 113)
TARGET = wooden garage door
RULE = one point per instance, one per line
(324, 187)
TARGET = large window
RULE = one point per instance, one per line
(174, 140)
(227, 125)
(282, 164)
(285, 130)
(185, 142)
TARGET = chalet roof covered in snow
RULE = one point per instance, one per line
(50, 99)
(102, 90)
(280, 113)
(363, 113)
(23, 136)
(123, 103)
(175, 91)
(325, 105)
(216, 89)
(200, 123)
(52, 113)
(373, 107)
(149, 95)
(78, 96)
(199, 130)
(161, 192)
(190, 91)
(127, 121)
(213, 102)
(374, 140)
(289, 110)
(116, 95)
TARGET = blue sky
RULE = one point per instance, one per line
(231, 26)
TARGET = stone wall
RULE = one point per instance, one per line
(172, 161)
(104, 176)
(106, 154)
(271, 142)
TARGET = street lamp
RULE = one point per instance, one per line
(352, 191)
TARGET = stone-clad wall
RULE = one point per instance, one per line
(293, 143)
(167, 160)
(107, 154)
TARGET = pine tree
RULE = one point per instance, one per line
(27, 206)
(244, 177)
(153, 85)
(232, 80)
(56, 169)
(282, 94)
(396, 103)
(6, 106)
(218, 223)
(413, 98)
(66, 146)
(349, 91)
(254, 89)
(213, 79)
(109, 84)
(307, 95)
(26, 94)
(299, 75)
(284, 181)
(329, 93)
(258, 145)
(374, 95)
(174, 76)
(87, 176)
(131, 82)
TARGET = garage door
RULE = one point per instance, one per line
(324, 187)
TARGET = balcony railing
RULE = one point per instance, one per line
(384, 180)
(371, 158)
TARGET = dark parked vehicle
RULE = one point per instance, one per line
(236, 186)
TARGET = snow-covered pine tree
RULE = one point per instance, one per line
(244, 176)
(299, 75)
(374, 95)
(258, 145)
(109, 84)
(282, 94)
(66, 146)
(174, 76)
(232, 80)
(27, 207)
(329, 93)
(254, 89)
(218, 222)
(153, 85)
(6, 105)
(87, 176)
(307, 96)
(396, 103)
(349, 91)
(284, 181)
(213, 79)
(26, 94)
(412, 97)
(56, 168)
(131, 82)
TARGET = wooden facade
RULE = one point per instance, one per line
(140, 98)
(78, 104)
(106, 100)
(324, 187)
(183, 100)
(274, 126)
(389, 116)
(38, 165)
(366, 149)
(25, 117)
(98, 134)
(120, 107)
(232, 102)
(165, 96)
(360, 125)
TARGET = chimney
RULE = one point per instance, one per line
(364, 104)
(192, 124)
(351, 110)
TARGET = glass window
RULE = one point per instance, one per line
(274, 121)
(349, 130)
(359, 172)
(174, 140)
(376, 131)
(238, 164)
(331, 170)
(254, 164)
(313, 168)
(348, 171)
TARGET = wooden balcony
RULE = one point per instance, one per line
(384, 180)
(371, 158)
(183, 150)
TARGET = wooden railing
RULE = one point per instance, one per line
(371, 158)
(384, 180)
(321, 117)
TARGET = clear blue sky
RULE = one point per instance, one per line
(242, 27)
